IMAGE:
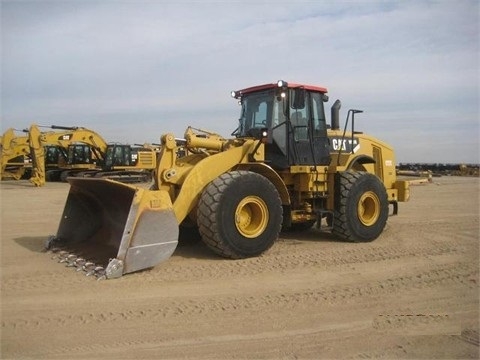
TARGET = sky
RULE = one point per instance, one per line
(134, 70)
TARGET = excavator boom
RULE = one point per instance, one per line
(13, 147)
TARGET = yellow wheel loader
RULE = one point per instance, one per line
(283, 167)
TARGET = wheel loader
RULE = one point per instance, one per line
(283, 167)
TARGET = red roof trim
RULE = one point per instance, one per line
(290, 85)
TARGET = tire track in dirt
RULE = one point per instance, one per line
(402, 348)
(406, 346)
(206, 347)
(284, 259)
(465, 231)
(58, 280)
(457, 274)
(423, 324)
(470, 336)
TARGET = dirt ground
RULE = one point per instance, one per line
(412, 293)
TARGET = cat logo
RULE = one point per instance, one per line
(346, 145)
(65, 137)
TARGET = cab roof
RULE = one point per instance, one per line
(274, 85)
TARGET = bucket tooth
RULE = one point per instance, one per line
(100, 273)
(89, 266)
(90, 272)
(70, 260)
(59, 255)
(78, 263)
(67, 258)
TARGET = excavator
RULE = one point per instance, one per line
(15, 155)
(88, 155)
(283, 167)
(129, 164)
(16, 160)
(38, 140)
(55, 160)
(125, 163)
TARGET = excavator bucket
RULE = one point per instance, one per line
(118, 227)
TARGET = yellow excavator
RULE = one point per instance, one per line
(88, 155)
(16, 160)
(38, 140)
(283, 167)
(15, 154)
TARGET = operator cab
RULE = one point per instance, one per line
(79, 154)
(55, 155)
(293, 118)
(121, 155)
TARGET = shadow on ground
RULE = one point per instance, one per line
(190, 244)
(34, 244)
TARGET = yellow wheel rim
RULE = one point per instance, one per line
(368, 208)
(251, 217)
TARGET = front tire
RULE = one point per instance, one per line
(239, 214)
(361, 206)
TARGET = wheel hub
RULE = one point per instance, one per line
(251, 217)
(368, 208)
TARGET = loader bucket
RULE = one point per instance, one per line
(119, 226)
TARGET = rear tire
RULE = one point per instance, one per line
(361, 206)
(239, 214)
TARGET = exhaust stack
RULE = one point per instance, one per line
(335, 115)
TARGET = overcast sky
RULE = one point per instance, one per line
(132, 70)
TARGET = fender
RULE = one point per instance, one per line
(361, 160)
(270, 174)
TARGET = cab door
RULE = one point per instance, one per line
(308, 141)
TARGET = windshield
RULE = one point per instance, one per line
(79, 154)
(259, 110)
(109, 156)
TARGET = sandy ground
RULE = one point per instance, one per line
(412, 293)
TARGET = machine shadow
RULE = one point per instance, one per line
(190, 244)
(34, 244)
(312, 234)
